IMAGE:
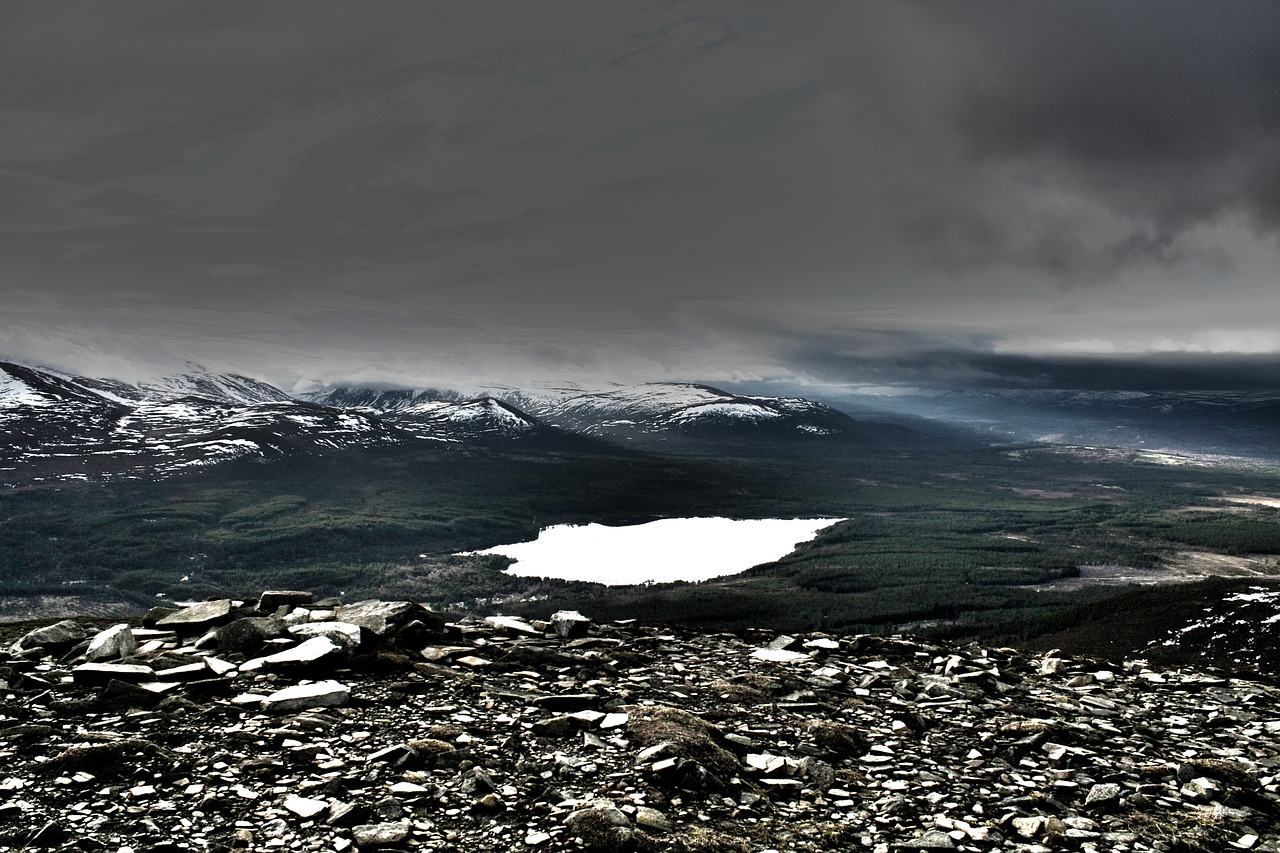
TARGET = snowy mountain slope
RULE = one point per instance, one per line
(1240, 626)
(39, 409)
(447, 420)
(649, 412)
(378, 399)
(56, 426)
(677, 408)
(220, 387)
(433, 414)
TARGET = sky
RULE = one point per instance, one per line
(871, 194)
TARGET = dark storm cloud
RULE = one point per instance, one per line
(30, 204)
(941, 369)
(917, 192)
(1160, 372)
(1168, 110)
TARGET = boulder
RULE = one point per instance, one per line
(157, 613)
(570, 624)
(59, 636)
(114, 642)
(401, 621)
(246, 636)
(601, 827)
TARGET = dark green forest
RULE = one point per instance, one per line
(962, 540)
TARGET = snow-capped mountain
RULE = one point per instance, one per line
(58, 426)
(654, 410)
(433, 414)
(222, 387)
(677, 408)
(379, 399)
(442, 418)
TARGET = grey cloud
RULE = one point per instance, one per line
(1147, 372)
(1167, 110)
(683, 190)
(31, 204)
(942, 369)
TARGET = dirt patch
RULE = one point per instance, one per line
(1254, 500)
(1047, 494)
(1196, 565)
(1177, 567)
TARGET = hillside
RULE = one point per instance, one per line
(295, 724)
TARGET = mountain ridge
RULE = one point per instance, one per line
(618, 411)
(77, 427)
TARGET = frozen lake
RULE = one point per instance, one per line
(672, 549)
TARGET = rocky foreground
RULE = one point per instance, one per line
(288, 724)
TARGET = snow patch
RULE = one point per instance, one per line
(15, 392)
(731, 411)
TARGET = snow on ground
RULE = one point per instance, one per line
(743, 411)
(1242, 621)
(15, 392)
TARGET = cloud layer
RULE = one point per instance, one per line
(431, 193)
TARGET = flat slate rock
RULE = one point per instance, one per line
(319, 694)
(511, 625)
(378, 617)
(272, 599)
(633, 737)
(102, 673)
(198, 616)
(345, 634)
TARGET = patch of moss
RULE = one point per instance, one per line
(105, 760)
(690, 736)
(699, 839)
(838, 738)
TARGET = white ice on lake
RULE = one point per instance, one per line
(671, 549)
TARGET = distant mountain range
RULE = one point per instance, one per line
(631, 412)
(56, 426)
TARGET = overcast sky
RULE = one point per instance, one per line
(421, 193)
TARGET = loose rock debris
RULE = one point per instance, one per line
(290, 724)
